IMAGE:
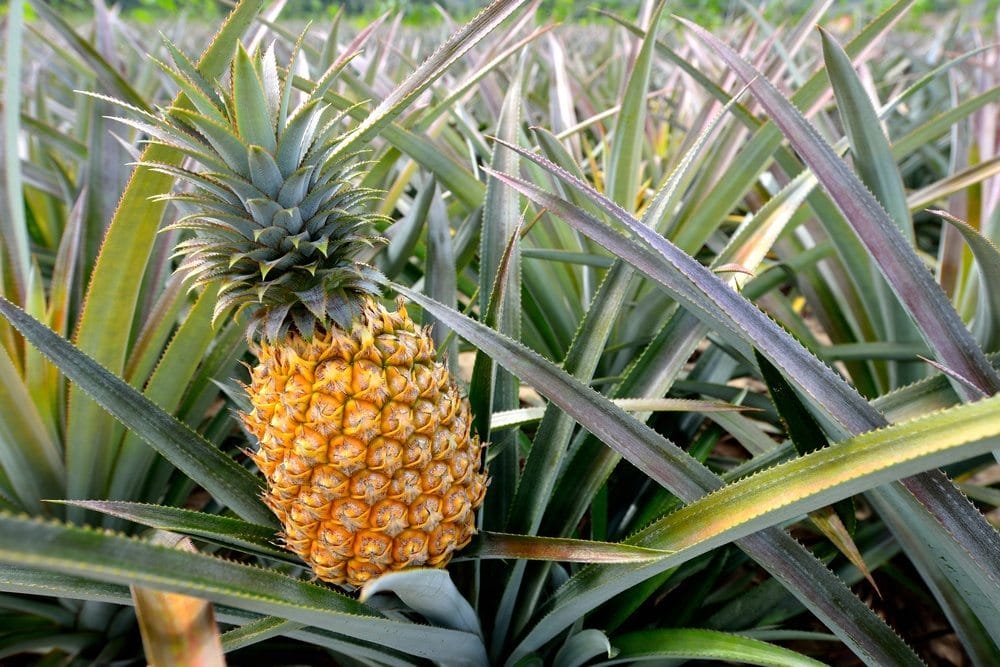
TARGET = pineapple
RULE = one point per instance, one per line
(364, 438)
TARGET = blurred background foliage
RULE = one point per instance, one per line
(422, 12)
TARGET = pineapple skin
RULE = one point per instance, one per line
(366, 448)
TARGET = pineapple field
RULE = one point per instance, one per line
(518, 333)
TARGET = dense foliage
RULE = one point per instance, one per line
(725, 304)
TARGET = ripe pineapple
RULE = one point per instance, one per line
(364, 437)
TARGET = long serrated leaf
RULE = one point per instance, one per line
(986, 325)
(36, 581)
(116, 559)
(520, 416)
(529, 547)
(13, 229)
(913, 284)
(107, 317)
(582, 647)
(227, 481)
(872, 157)
(697, 644)
(226, 531)
(877, 169)
(629, 132)
(440, 282)
(500, 274)
(255, 631)
(28, 455)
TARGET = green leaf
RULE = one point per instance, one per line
(877, 169)
(228, 482)
(431, 593)
(986, 325)
(693, 644)
(520, 416)
(629, 135)
(13, 229)
(28, 455)
(221, 530)
(582, 647)
(528, 547)
(253, 117)
(255, 631)
(440, 282)
(500, 276)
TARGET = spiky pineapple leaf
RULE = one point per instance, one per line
(697, 644)
(629, 131)
(532, 547)
(582, 647)
(876, 167)
(500, 284)
(28, 455)
(253, 112)
(225, 531)
(116, 559)
(227, 481)
(256, 631)
(509, 418)
(986, 325)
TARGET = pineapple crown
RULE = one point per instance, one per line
(275, 216)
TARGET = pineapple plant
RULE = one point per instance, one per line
(364, 437)
(644, 546)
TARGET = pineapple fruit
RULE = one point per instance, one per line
(364, 438)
